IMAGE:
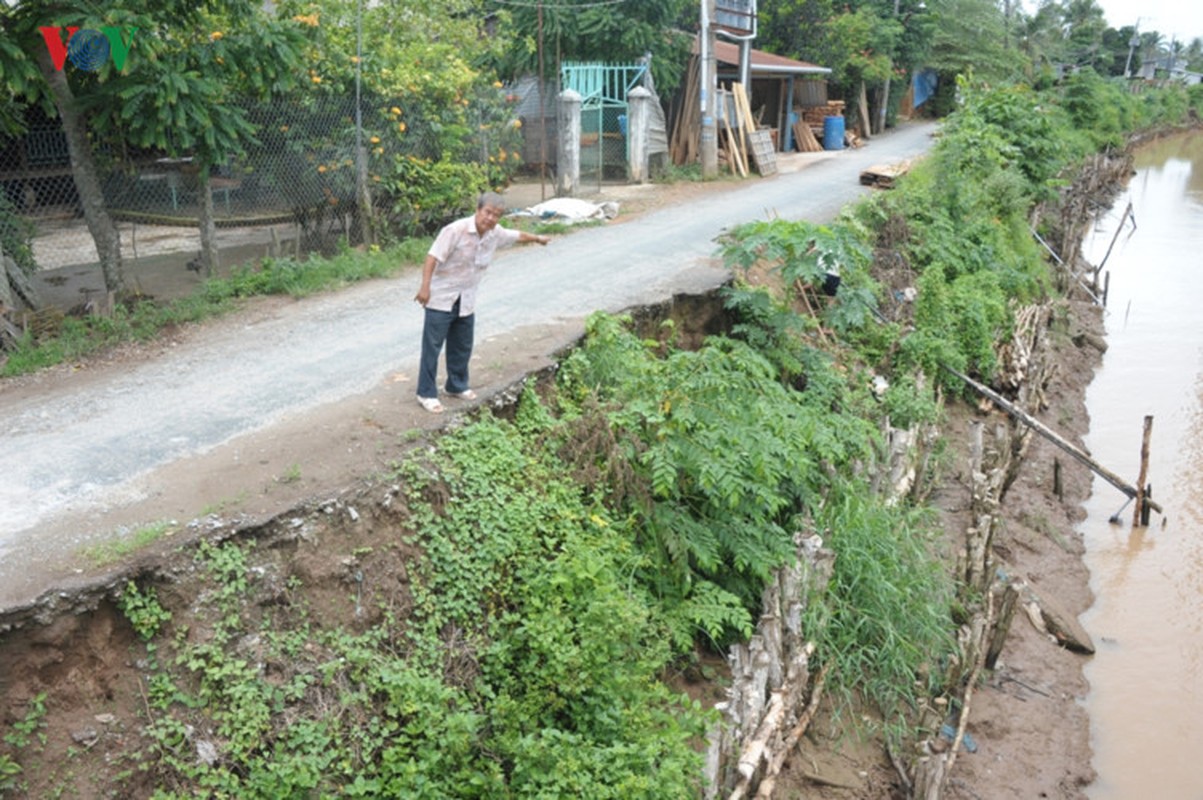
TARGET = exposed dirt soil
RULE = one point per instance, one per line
(1027, 718)
(335, 519)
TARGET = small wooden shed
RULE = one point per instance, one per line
(782, 88)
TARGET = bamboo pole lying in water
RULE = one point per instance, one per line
(1040, 428)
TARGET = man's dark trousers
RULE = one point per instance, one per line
(439, 328)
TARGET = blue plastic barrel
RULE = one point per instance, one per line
(833, 133)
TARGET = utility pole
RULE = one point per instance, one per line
(542, 86)
(707, 86)
(885, 92)
(1133, 43)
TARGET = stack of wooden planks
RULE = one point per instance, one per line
(687, 120)
(743, 143)
(814, 115)
(808, 131)
(805, 139)
(735, 127)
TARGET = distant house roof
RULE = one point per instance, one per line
(764, 64)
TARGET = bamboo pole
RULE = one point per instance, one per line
(1139, 515)
(1068, 271)
(1048, 433)
(1123, 218)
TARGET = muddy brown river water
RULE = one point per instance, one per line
(1146, 696)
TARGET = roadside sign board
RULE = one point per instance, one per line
(737, 17)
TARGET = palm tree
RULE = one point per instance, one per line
(1152, 47)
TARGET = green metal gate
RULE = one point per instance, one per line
(603, 89)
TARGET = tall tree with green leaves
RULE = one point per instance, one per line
(437, 125)
(1194, 54)
(870, 42)
(186, 94)
(1085, 23)
(1118, 53)
(33, 75)
(972, 36)
(174, 90)
(583, 30)
(1042, 38)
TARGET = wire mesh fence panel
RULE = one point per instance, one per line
(302, 185)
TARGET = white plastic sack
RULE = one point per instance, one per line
(570, 210)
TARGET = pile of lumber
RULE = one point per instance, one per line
(808, 130)
(882, 176)
(814, 115)
(741, 143)
(805, 139)
(683, 143)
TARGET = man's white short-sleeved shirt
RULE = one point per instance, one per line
(463, 256)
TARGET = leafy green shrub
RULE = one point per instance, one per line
(1006, 128)
(769, 326)
(142, 609)
(1102, 108)
(730, 454)
(568, 652)
(421, 195)
(1168, 105)
(1194, 97)
(957, 324)
(803, 255)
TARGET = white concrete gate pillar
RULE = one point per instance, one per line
(568, 148)
(639, 121)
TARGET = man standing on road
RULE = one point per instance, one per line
(454, 267)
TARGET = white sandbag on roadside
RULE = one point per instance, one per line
(569, 210)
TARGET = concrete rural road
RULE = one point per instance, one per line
(76, 448)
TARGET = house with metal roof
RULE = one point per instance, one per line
(780, 87)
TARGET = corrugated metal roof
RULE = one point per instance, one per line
(764, 63)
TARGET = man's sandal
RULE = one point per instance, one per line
(431, 404)
(466, 394)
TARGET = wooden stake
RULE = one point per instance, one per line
(1002, 627)
(1139, 515)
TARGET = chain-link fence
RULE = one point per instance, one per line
(294, 191)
